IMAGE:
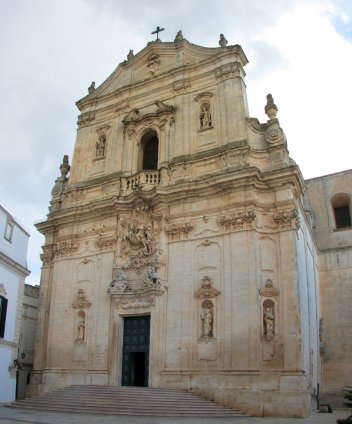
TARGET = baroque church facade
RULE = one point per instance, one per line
(181, 246)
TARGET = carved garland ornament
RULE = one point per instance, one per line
(287, 219)
(47, 255)
(64, 249)
(179, 231)
(237, 220)
(106, 243)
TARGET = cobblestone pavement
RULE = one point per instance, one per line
(13, 416)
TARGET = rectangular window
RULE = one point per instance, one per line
(9, 231)
(342, 217)
(3, 309)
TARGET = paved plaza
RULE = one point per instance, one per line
(12, 416)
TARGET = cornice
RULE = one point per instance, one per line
(14, 265)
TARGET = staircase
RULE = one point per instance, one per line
(335, 399)
(112, 400)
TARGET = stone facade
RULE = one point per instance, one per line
(181, 208)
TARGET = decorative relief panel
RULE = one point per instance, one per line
(269, 290)
(153, 63)
(139, 237)
(207, 289)
(237, 220)
(139, 302)
(179, 231)
(287, 219)
(81, 301)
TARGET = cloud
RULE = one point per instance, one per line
(300, 51)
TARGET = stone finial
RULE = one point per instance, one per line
(91, 88)
(130, 55)
(65, 167)
(179, 37)
(222, 41)
(270, 107)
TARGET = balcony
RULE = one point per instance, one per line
(142, 181)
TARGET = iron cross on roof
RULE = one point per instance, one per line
(158, 29)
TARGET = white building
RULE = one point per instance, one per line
(13, 271)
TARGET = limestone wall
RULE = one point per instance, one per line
(335, 268)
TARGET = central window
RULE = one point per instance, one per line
(149, 147)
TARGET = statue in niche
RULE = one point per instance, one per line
(269, 319)
(100, 146)
(81, 326)
(207, 319)
(205, 116)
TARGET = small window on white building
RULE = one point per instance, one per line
(342, 213)
(9, 231)
(3, 309)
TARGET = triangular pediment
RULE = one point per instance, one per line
(157, 58)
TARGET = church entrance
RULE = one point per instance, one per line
(135, 362)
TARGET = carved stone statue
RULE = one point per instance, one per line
(81, 326)
(207, 319)
(268, 320)
(205, 116)
(91, 88)
(119, 281)
(222, 41)
(130, 55)
(270, 107)
(151, 278)
(100, 147)
(179, 37)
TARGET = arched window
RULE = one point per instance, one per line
(341, 206)
(149, 146)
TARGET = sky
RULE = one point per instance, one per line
(51, 51)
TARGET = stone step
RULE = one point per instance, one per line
(112, 400)
(335, 399)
